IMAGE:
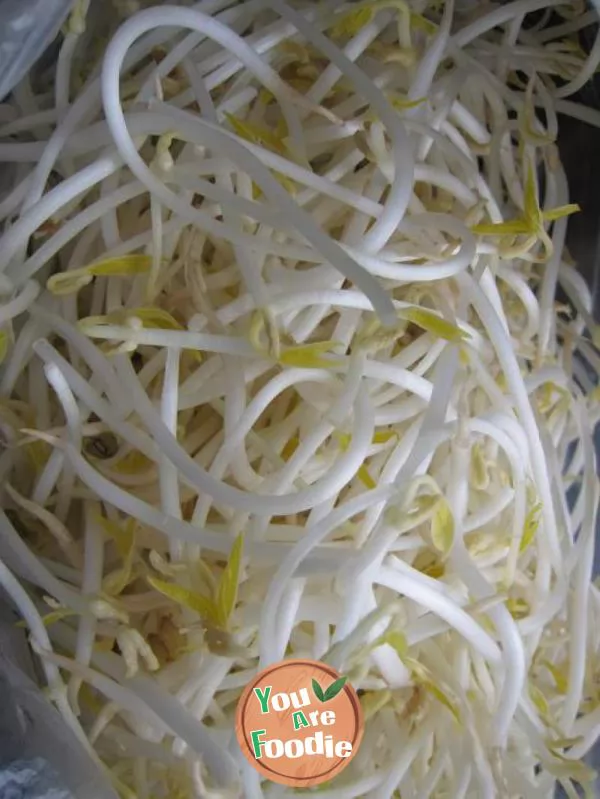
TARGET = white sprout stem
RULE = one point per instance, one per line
(169, 485)
(436, 603)
(222, 493)
(28, 566)
(74, 226)
(511, 370)
(498, 17)
(90, 585)
(20, 303)
(293, 560)
(39, 633)
(70, 189)
(552, 268)
(115, 54)
(405, 757)
(584, 75)
(400, 191)
(147, 694)
(315, 302)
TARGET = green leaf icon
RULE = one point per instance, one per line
(318, 691)
(331, 692)
(335, 688)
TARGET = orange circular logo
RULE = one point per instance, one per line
(299, 723)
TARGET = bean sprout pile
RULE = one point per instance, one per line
(296, 363)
